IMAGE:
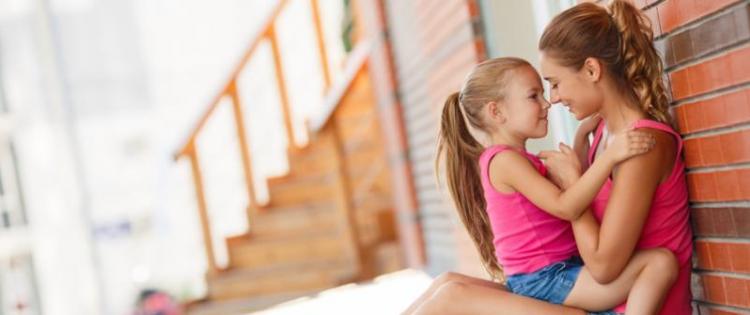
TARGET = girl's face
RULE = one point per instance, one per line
(576, 90)
(524, 108)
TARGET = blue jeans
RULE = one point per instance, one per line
(552, 283)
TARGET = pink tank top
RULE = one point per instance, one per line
(525, 237)
(667, 224)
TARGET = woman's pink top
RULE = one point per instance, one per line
(667, 224)
(526, 238)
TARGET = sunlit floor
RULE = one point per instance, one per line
(387, 294)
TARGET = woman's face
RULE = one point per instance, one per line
(575, 89)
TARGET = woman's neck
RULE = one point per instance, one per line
(620, 113)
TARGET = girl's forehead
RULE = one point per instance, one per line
(527, 77)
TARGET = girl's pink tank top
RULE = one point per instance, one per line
(526, 238)
(667, 224)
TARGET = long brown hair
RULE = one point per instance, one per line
(461, 150)
(622, 40)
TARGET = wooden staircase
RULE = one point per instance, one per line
(298, 244)
(329, 220)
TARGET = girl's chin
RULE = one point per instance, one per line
(540, 134)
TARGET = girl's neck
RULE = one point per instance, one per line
(502, 138)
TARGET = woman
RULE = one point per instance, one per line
(602, 63)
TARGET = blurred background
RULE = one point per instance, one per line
(222, 157)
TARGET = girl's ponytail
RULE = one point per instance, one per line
(461, 152)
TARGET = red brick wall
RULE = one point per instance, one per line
(706, 50)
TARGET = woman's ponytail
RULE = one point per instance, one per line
(641, 63)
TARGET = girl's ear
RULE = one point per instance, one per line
(496, 111)
(592, 69)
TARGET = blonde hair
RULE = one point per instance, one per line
(486, 83)
(623, 40)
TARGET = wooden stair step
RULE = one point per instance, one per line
(302, 190)
(272, 249)
(296, 219)
(244, 305)
(388, 258)
(247, 282)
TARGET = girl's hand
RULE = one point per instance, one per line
(563, 167)
(628, 144)
(588, 125)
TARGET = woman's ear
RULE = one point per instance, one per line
(592, 69)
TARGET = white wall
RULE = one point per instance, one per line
(513, 28)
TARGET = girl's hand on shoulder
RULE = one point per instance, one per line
(588, 125)
(563, 167)
(629, 143)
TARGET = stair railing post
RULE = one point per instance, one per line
(247, 166)
(202, 207)
(344, 204)
(281, 83)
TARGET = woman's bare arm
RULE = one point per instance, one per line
(607, 249)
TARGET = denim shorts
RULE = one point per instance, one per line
(552, 283)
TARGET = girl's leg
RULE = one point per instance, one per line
(644, 283)
(456, 298)
(446, 278)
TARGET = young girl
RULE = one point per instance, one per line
(515, 215)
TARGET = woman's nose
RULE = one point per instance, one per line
(545, 104)
(554, 97)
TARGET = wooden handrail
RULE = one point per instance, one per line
(335, 92)
(257, 39)
(354, 65)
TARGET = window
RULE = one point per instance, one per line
(11, 206)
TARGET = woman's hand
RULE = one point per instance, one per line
(563, 167)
